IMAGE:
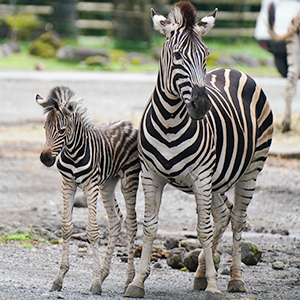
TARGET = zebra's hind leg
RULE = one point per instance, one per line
(244, 190)
(153, 186)
(129, 186)
(220, 209)
(68, 192)
(293, 62)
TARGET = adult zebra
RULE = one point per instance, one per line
(94, 159)
(202, 133)
(292, 38)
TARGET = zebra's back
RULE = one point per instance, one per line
(241, 119)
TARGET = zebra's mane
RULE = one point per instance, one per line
(59, 96)
(183, 13)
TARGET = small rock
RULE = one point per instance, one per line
(225, 271)
(80, 201)
(171, 243)
(251, 254)
(190, 244)
(124, 259)
(278, 265)
(176, 257)
(191, 260)
(157, 265)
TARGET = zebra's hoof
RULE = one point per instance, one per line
(212, 296)
(236, 286)
(134, 292)
(199, 284)
(56, 286)
(96, 288)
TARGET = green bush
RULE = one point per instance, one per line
(22, 25)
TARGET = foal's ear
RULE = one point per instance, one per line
(160, 23)
(206, 23)
(40, 100)
(69, 108)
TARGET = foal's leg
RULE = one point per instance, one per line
(68, 192)
(293, 62)
(91, 192)
(114, 227)
(153, 186)
(220, 210)
(129, 186)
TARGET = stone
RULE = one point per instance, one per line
(247, 60)
(69, 53)
(176, 257)
(191, 260)
(171, 243)
(278, 265)
(80, 201)
(96, 60)
(251, 254)
(190, 244)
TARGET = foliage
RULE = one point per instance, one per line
(22, 25)
(46, 45)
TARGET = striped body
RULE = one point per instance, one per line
(292, 39)
(203, 133)
(231, 133)
(93, 158)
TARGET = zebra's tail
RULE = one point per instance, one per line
(119, 213)
(271, 22)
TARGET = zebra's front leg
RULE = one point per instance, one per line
(220, 209)
(68, 192)
(152, 186)
(244, 190)
(205, 276)
(129, 186)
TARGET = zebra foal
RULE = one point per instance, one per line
(93, 158)
(204, 134)
(292, 38)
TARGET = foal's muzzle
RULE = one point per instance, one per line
(199, 104)
(47, 159)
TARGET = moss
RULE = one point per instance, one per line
(46, 45)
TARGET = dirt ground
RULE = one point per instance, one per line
(30, 196)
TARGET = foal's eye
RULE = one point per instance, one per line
(62, 131)
(177, 55)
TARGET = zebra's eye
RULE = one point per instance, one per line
(177, 56)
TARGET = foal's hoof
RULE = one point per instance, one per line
(56, 286)
(236, 286)
(96, 288)
(199, 284)
(212, 296)
(134, 292)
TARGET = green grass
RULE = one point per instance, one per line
(25, 61)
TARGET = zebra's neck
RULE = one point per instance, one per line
(168, 108)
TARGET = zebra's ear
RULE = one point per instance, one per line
(160, 23)
(69, 108)
(206, 23)
(40, 100)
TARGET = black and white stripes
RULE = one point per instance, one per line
(94, 159)
(202, 133)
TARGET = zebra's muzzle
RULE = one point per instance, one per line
(199, 105)
(47, 159)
